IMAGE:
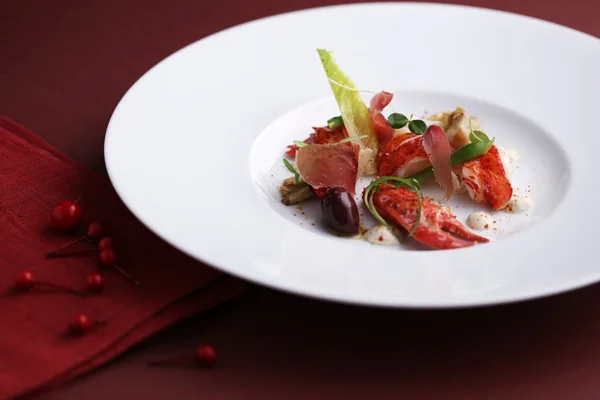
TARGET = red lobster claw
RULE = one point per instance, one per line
(438, 228)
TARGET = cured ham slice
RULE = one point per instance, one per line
(435, 143)
(458, 125)
(383, 130)
(328, 166)
(321, 135)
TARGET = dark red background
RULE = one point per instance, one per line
(64, 65)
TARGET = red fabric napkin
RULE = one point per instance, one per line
(36, 352)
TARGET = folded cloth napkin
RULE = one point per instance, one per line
(36, 351)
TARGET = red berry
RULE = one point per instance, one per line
(95, 283)
(206, 355)
(66, 216)
(105, 243)
(24, 280)
(81, 324)
(95, 231)
(108, 257)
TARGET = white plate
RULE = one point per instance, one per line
(195, 148)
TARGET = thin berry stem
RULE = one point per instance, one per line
(74, 242)
(125, 274)
(60, 287)
(57, 253)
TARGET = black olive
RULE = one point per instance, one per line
(340, 212)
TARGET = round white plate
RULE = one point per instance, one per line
(195, 149)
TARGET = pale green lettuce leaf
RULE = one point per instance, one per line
(354, 111)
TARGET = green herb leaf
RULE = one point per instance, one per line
(471, 151)
(417, 126)
(397, 120)
(291, 168)
(335, 122)
(300, 144)
(397, 182)
(478, 136)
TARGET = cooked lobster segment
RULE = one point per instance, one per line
(403, 156)
(438, 228)
(487, 178)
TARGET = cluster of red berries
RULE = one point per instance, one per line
(68, 216)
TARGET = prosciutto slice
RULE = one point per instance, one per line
(437, 147)
(383, 130)
(328, 166)
(321, 135)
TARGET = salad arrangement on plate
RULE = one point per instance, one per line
(400, 153)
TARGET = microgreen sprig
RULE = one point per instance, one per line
(399, 121)
(477, 136)
(291, 168)
(354, 90)
(373, 187)
(349, 88)
(346, 140)
(299, 144)
(349, 139)
(335, 122)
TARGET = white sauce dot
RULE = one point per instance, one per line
(479, 221)
(506, 162)
(514, 155)
(381, 235)
(519, 203)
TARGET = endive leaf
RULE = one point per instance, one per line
(354, 112)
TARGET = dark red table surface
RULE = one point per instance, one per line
(64, 65)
